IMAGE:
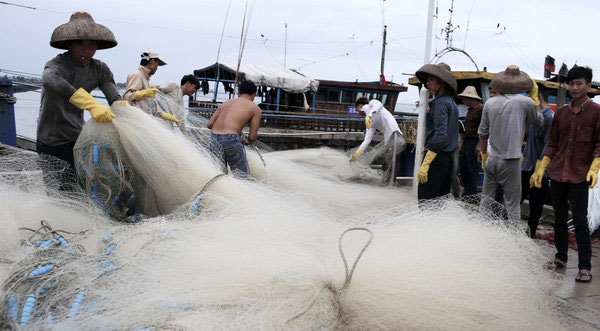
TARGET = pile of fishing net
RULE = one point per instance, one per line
(225, 253)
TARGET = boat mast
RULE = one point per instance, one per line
(424, 97)
(381, 76)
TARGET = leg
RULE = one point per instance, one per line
(490, 184)
(536, 206)
(469, 167)
(439, 178)
(235, 155)
(560, 203)
(511, 182)
(217, 150)
(579, 205)
(58, 166)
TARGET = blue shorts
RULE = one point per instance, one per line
(229, 149)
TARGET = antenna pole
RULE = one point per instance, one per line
(285, 48)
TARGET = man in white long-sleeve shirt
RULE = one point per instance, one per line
(377, 118)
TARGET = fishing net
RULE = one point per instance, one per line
(226, 253)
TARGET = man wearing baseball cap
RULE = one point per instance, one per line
(67, 81)
(140, 92)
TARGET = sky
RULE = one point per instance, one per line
(326, 39)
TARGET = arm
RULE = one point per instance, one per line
(552, 145)
(546, 134)
(368, 137)
(534, 114)
(376, 106)
(254, 125)
(108, 86)
(168, 87)
(54, 82)
(134, 84)
(440, 124)
(213, 118)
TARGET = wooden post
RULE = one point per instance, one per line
(8, 131)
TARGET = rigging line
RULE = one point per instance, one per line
(323, 59)
(223, 31)
(16, 5)
(271, 53)
(356, 58)
(15, 72)
(530, 62)
(468, 21)
(512, 48)
(406, 48)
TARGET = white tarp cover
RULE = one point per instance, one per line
(283, 78)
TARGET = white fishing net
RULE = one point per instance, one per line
(256, 254)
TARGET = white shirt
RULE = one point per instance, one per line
(171, 98)
(381, 120)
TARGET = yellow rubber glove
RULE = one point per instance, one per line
(538, 173)
(355, 155)
(169, 117)
(484, 157)
(122, 102)
(424, 169)
(368, 122)
(83, 100)
(533, 94)
(147, 93)
(592, 175)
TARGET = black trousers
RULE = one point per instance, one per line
(577, 196)
(439, 177)
(469, 167)
(536, 196)
(57, 165)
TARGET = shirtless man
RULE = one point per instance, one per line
(226, 125)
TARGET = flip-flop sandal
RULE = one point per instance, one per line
(583, 274)
(555, 265)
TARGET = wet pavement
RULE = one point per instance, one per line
(579, 301)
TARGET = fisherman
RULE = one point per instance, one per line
(226, 126)
(469, 166)
(66, 82)
(172, 94)
(140, 92)
(573, 154)
(377, 118)
(504, 120)
(441, 132)
(537, 138)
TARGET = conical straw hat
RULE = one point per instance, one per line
(470, 92)
(81, 26)
(441, 71)
(511, 81)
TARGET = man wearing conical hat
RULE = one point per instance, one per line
(441, 132)
(469, 166)
(140, 92)
(67, 81)
(573, 155)
(504, 120)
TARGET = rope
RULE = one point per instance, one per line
(196, 200)
(337, 292)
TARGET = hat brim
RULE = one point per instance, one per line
(436, 71)
(507, 84)
(161, 62)
(82, 29)
(470, 96)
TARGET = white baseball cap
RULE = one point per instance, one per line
(149, 54)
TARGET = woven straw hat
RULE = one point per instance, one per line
(511, 81)
(470, 92)
(441, 71)
(81, 26)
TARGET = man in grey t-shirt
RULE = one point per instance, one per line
(503, 122)
(66, 82)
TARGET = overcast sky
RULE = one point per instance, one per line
(186, 35)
